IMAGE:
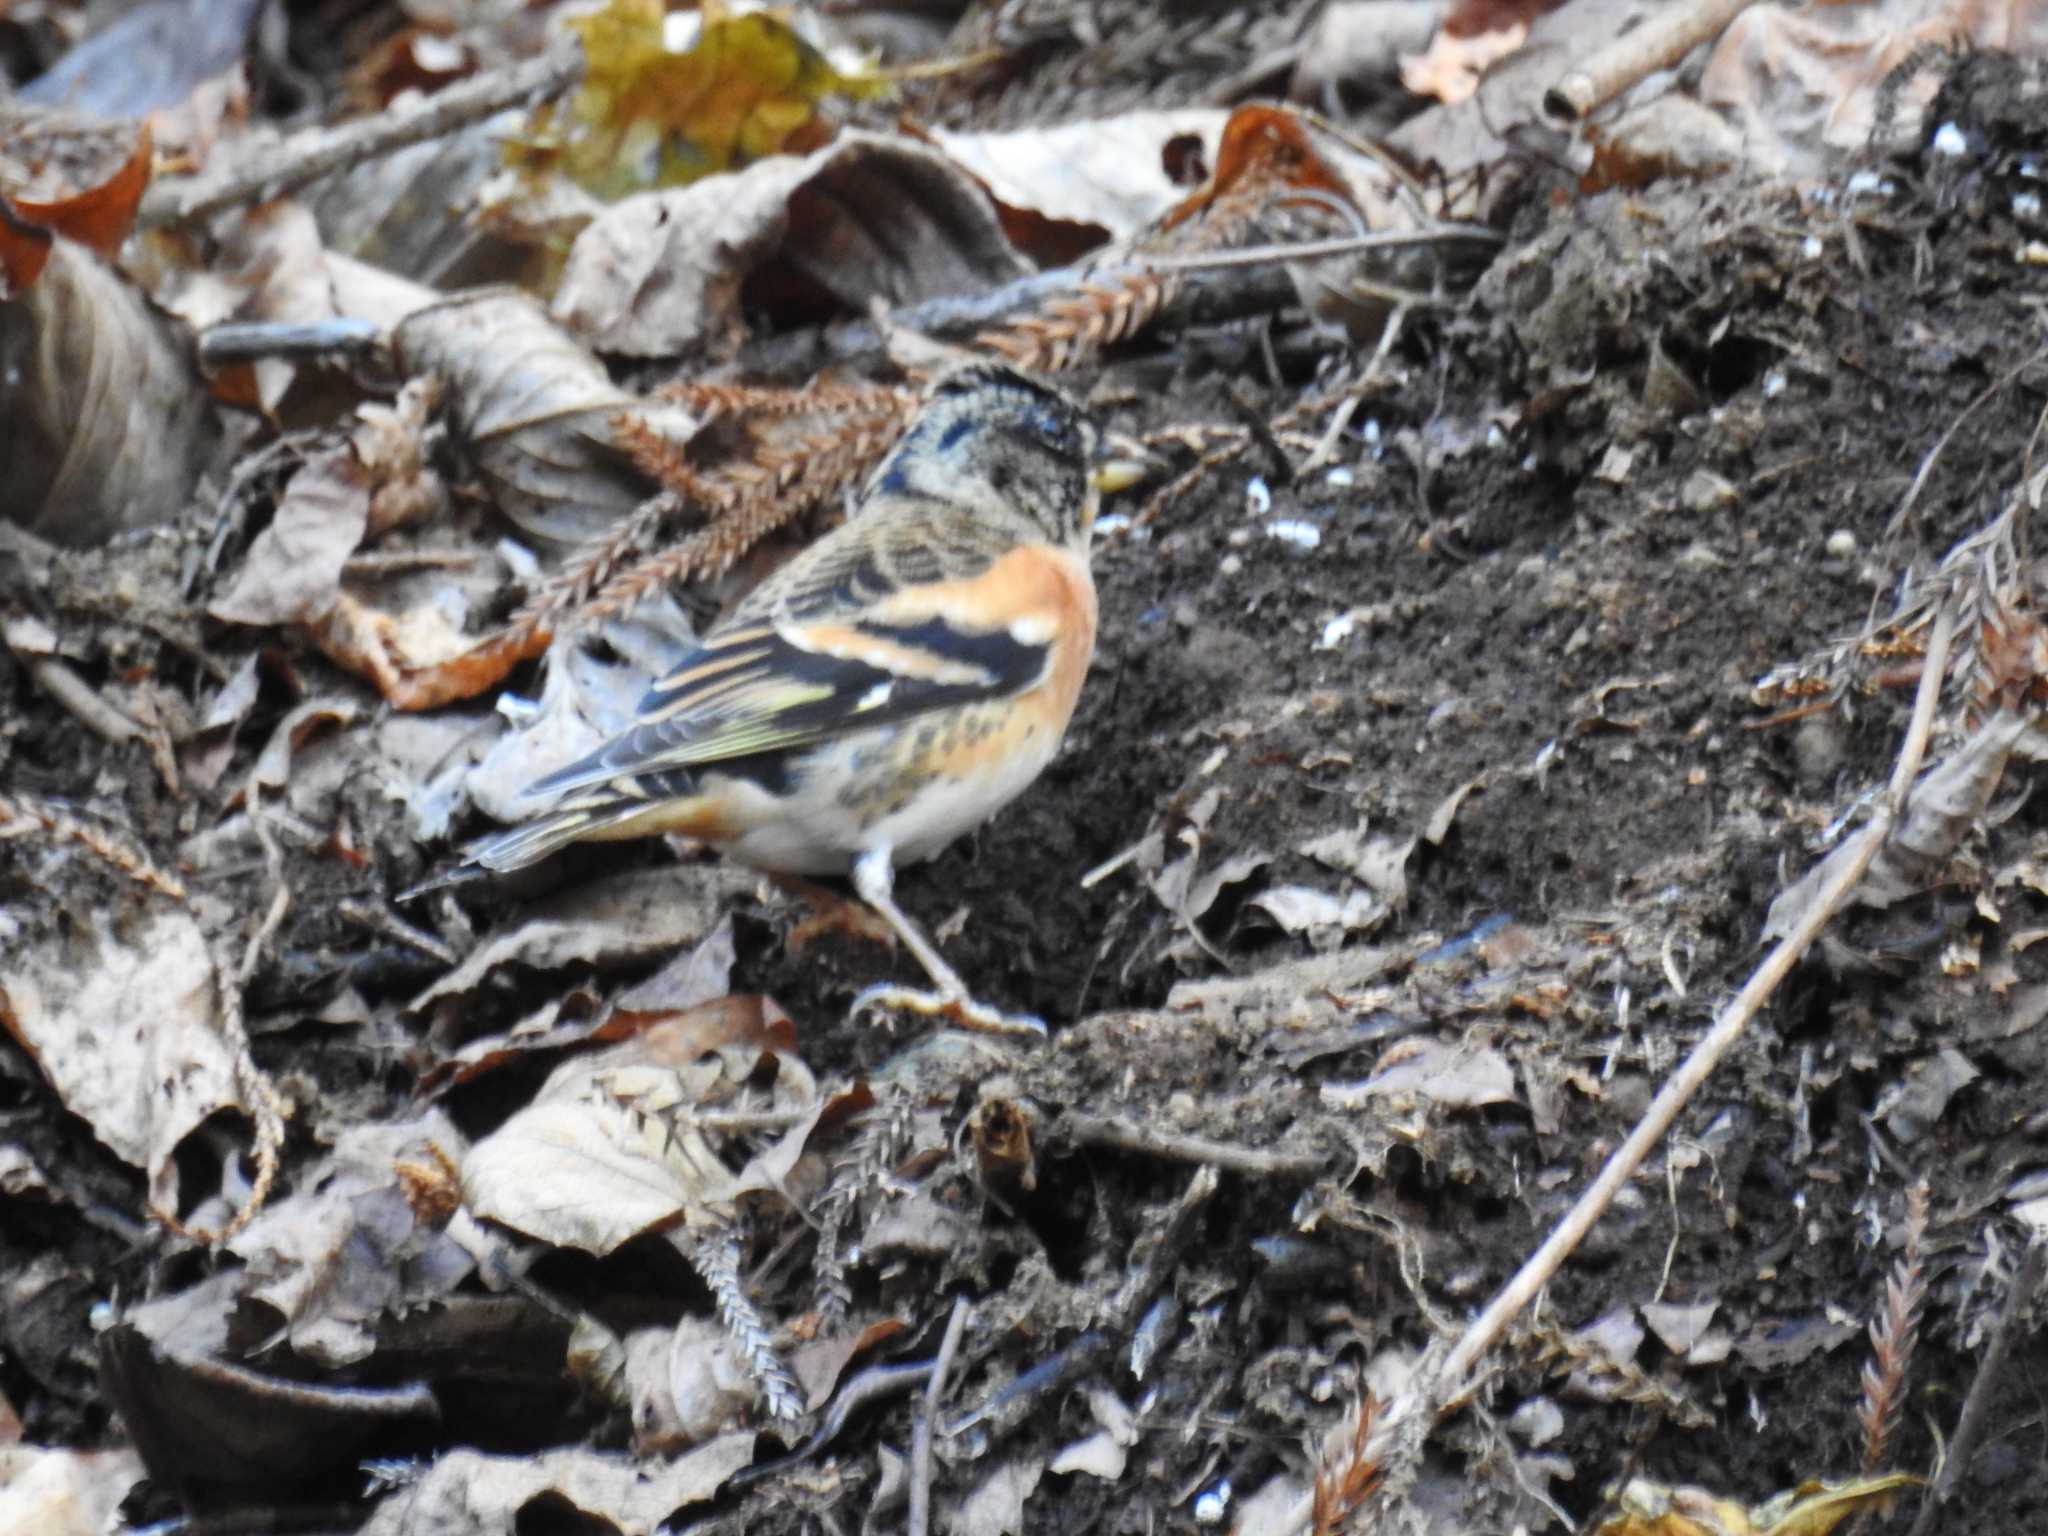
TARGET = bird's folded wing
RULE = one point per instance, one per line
(773, 687)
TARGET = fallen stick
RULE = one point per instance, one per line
(1668, 36)
(306, 157)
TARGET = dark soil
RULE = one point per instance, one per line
(1661, 453)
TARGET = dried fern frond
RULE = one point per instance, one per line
(19, 810)
(713, 401)
(753, 497)
(1348, 1474)
(1893, 1334)
(881, 1139)
(714, 1253)
(1074, 327)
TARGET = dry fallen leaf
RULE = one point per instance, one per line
(50, 1492)
(104, 424)
(538, 412)
(465, 1490)
(610, 1147)
(869, 217)
(119, 1013)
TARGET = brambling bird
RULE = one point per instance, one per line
(889, 688)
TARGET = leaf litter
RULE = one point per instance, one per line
(1426, 900)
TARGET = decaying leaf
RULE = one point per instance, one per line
(1812, 1509)
(537, 410)
(360, 1239)
(640, 913)
(466, 1490)
(609, 1148)
(869, 217)
(1943, 807)
(104, 423)
(120, 1014)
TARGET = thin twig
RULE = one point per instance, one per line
(1450, 1384)
(1126, 1136)
(927, 1414)
(1667, 36)
(278, 169)
(1977, 1406)
(1208, 299)
(1308, 250)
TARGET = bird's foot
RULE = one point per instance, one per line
(961, 1009)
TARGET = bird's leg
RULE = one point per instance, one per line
(874, 876)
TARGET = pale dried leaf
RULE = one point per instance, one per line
(644, 912)
(1431, 1071)
(1679, 1328)
(120, 1015)
(292, 572)
(590, 1174)
(1802, 85)
(1112, 173)
(104, 424)
(539, 413)
(45, 1491)
(996, 1506)
(869, 217)
(1943, 807)
(347, 1249)
(467, 1493)
(1913, 1105)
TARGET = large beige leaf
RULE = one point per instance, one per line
(867, 217)
(120, 1014)
(1116, 173)
(104, 424)
(613, 1147)
(50, 1492)
(539, 413)
(466, 1493)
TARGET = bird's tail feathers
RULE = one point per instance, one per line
(529, 843)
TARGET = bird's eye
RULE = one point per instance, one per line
(1053, 430)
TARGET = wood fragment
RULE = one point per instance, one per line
(275, 170)
(1667, 36)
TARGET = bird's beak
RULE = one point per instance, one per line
(1115, 475)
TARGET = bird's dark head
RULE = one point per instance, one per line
(998, 442)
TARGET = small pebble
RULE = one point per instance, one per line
(1213, 1502)
(2026, 205)
(1293, 530)
(1340, 476)
(1258, 498)
(1949, 140)
(1841, 545)
(1811, 248)
(1116, 522)
(1230, 565)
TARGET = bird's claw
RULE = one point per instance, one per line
(961, 1009)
